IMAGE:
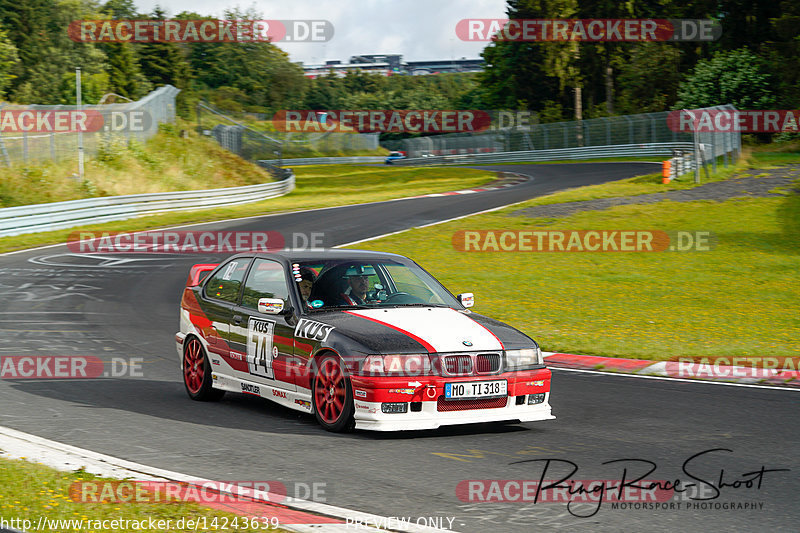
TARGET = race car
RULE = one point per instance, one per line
(364, 340)
(394, 156)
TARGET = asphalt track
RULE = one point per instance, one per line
(56, 303)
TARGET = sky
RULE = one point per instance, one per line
(417, 29)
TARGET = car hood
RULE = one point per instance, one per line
(422, 329)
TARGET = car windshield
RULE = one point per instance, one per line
(367, 283)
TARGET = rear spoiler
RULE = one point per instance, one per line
(198, 272)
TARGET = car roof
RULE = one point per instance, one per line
(325, 253)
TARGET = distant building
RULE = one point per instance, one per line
(392, 64)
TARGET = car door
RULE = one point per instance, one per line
(266, 340)
(220, 294)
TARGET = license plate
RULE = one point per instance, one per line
(475, 389)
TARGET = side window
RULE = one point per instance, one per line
(226, 282)
(266, 280)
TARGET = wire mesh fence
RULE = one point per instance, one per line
(644, 129)
(256, 140)
(32, 133)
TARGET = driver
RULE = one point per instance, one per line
(357, 284)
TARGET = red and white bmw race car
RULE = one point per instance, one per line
(361, 339)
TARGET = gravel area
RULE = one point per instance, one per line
(744, 185)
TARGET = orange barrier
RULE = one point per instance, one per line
(666, 171)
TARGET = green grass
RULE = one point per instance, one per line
(742, 298)
(316, 186)
(167, 162)
(30, 491)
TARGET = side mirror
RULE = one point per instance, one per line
(467, 299)
(270, 306)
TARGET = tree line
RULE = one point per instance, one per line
(754, 64)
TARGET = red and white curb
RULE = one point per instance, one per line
(293, 514)
(675, 369)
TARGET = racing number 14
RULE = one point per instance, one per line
(259, 347)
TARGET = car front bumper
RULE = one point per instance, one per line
(426, 407)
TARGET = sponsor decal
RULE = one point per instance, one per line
(215, 362)
(251, 389)
(259, 347)
(401, 391)
(279, 394)
(361, 393)
(303, 403)
(367, 408)
(316, 304)
(538, 383)
(309, 329)
(214, 377)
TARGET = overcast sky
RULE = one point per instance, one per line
(417, 29)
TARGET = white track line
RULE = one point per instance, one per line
(437, 222)
(16, 444)
(683, 380)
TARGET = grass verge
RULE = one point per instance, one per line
(739, 299)
(30, 491)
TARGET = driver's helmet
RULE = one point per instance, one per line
(359, 270)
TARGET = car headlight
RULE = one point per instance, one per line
(523, 358)
(399, 364)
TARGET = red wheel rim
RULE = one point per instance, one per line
(329, 391)
(193, 368)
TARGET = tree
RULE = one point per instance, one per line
(126, 78)
(9, 58)
(738, 77)
(167, 64)
(649, 78)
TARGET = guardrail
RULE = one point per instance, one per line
(63, 215)
(577, 153)
(322, 160)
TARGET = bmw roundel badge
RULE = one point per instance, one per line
(466, 343)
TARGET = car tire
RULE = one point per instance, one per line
(332, 395)
(197, 373)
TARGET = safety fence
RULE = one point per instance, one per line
(253, 144)
(62, 215)
(647, 135)
(120, 121)
(590, 152)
